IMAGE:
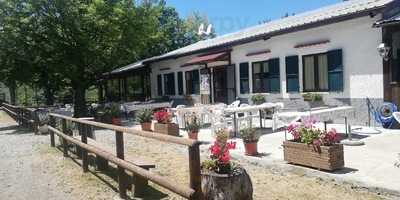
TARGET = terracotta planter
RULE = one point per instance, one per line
(169, 129)
(116, 121)
(146, 126)
(323, 157)
(237, 186)
(250, 148)
(193, 135)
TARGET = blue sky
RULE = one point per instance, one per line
(232, 15)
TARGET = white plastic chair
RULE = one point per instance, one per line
(180, 119)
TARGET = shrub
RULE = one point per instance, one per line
(144, 116)
(220, 160)
(312, 97)
(306, 132)
(192, 123)
(258, 99)
(163, 116)
(249, 135)
(113, 110)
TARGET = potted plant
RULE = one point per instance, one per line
(258, 99)
(144, 117)
(314, 100)
(250, 140)
(222, 178)
(192, 126)
(114, 112)
(313, 147)
(164, 124)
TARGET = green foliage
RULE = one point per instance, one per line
(145, 115)
(258, 99)
(113, 110)
(249, 135)
(192, 123)
(312, 97)
(52, 45)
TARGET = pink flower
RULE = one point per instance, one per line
(309, 122)
(215, 149)
(225, 158)
(317, 142)
(230, 145)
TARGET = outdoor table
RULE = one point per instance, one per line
(135, 107)
(234, 110)
(196, 109)
(323, 115)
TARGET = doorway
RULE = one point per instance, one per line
(224, 84)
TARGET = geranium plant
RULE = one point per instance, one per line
(163, 116)
(220, 160)
(306, 132)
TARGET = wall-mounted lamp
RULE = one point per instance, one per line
(383, 51)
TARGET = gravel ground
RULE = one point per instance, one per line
(41, 172)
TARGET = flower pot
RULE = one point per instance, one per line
(193, 135)
(320, 157)
(146, 126)
(169, 128)
(116, 121)
(236, 186)
(250, 148)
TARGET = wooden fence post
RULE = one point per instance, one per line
(64, 141)
(84, 131)
(194, 170)
(52, 124)
(122, 176)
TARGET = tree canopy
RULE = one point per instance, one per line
(52, 44)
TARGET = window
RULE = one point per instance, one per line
(169, 84)
(192, 82)
(180, 83)
(244, 78)
(159, 85)
(266, 76)
(323, 72)
(113, 90)
(292, 73)
(134, 86)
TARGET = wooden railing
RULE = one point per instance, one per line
(190, 192)
(25, 117)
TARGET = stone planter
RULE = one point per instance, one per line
(146, 126)
(193, 135)
(169, 129)
(250, 148)
(323, 157)
(224, 186)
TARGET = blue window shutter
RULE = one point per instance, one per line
(244, 78)
(292, 73)
(274, 82)
(335, 70)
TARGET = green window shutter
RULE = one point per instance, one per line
(180, 83)
(169, 84)
(292, 73)
(335, 70)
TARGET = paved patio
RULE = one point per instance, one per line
(371, 165)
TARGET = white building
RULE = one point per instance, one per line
(4, 93)
(331, 51)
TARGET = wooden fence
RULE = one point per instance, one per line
(24, 116)
(193, 191)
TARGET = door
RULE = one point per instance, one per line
(224, 84)
(220, 87)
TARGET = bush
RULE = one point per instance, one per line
(258, 99)
(249, 135)
(312, 97)
(144, 116)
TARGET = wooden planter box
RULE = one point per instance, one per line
(324, 157)
(169, 129)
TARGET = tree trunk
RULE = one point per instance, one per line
(49, 95)
(80, 109)
(227, 187)
(13, 93)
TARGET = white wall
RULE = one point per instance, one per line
(363, 71)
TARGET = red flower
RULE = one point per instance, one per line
(162, 116)
(225, 158)
(231, 145)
